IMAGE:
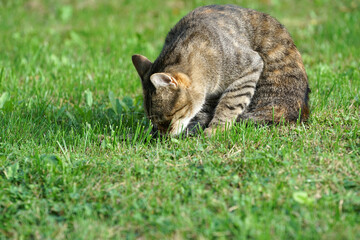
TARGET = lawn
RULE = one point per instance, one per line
(77, 160)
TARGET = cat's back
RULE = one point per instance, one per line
(214, 21)
(222, 32)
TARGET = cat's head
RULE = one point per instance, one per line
(168, 101)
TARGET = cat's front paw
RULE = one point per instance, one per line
(210, 131)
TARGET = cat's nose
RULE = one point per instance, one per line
(156, 131)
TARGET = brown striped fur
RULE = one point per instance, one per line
(221, 64)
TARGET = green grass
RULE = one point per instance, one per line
(77, 162)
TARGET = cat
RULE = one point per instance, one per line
(222, 64)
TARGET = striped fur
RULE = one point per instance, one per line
(221, 64)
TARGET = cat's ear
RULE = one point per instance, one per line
(142, 64)
(163, 80)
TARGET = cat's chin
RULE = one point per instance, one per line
(179, 126)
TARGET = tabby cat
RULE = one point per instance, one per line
(221, 64)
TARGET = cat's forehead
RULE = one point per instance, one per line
(163, 101)
(163, 98)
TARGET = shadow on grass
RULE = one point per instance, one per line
(41, 120)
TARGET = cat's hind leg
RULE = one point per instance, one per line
(293, 110)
